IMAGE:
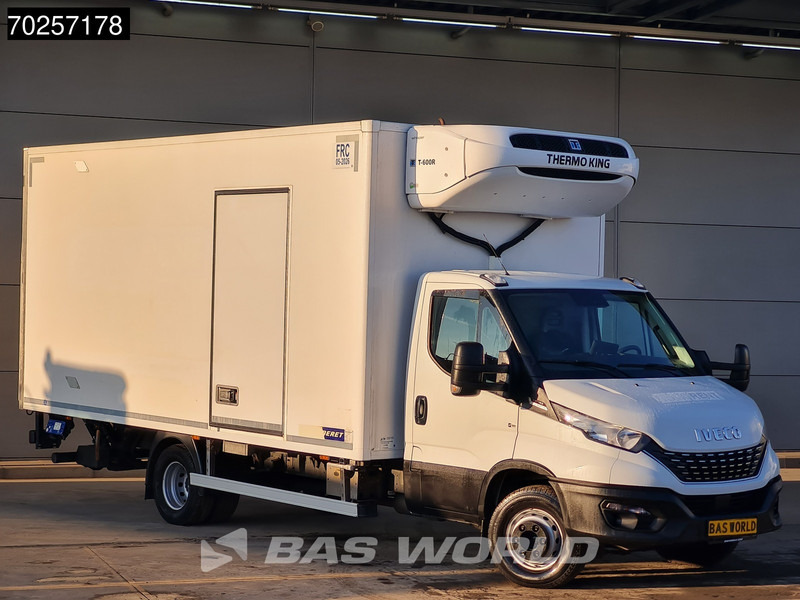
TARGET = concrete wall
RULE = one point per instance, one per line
(713, 227)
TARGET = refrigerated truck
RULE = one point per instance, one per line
(347, 315)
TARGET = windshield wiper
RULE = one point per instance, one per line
(588, 363)
(655, 366)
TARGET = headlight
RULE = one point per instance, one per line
(600, 431)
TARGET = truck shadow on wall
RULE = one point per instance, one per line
(84, 389)
(72, 389)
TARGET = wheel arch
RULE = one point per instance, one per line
(505, 477)
(164, 440)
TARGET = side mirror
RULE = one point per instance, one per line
(468, 366)
(740, 373)
(739, 368)
(467, 377)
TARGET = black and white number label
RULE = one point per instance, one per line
(67, 23)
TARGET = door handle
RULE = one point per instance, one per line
(421, 410)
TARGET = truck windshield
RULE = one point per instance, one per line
(598, 334)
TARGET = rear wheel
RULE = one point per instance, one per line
(701, 553)
(224, 506)
(527, 532)
(177, 501)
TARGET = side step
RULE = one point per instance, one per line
(331, 505)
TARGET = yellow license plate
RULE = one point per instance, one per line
(733, 527)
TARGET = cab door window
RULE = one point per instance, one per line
(465, 316)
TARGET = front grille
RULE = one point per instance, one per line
(555, 143)
(726, 504)
(710, 466)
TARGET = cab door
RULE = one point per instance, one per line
(455, 440)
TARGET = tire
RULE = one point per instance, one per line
(534, 514)
(700, 554)
(177, 501)
(224, 506)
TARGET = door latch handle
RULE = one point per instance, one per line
(421, 410)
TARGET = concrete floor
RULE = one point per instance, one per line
(98, 539)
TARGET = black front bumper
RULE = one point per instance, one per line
(679, 519)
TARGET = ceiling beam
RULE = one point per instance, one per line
(712, 7)
(623, 5)
(672, 8)
(725, 28)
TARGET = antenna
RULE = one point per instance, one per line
(496, 255)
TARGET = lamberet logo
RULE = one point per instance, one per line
(333, 434)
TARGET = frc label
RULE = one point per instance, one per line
(345, 152)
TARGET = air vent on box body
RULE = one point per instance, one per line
(567, 145)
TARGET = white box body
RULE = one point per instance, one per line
(255, 287)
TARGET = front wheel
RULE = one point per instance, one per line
(527, 532)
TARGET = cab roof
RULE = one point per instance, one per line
(535, 280)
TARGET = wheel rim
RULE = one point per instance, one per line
(535, 542)
(175, 485)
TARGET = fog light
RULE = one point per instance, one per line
(633, 518)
